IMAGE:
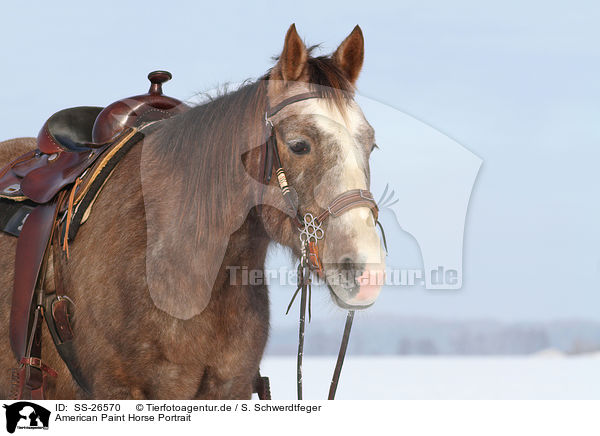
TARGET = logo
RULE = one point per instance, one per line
(26, 415)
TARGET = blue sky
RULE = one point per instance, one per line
(514, 82)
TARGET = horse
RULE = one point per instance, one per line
(157, 313)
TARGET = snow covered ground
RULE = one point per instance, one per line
(545, 376)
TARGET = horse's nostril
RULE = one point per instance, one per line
(350, 271)
(346, 264)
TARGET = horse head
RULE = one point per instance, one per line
(324, 145)
(214, 155)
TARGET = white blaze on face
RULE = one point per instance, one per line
(354, 231)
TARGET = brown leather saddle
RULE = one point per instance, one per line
(45, 195)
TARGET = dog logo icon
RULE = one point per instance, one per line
(26, 415)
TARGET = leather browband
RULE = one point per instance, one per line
(293, 99)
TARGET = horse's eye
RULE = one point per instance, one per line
(299, 147)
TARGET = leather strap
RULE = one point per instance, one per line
(37, 363)
(350, 200)
(58, 320)
(61, 332)
(30, 266)
(290, 100)
(310, 260)
(60, 315)
(271, 155)
(33, 375)
(262, 386)
(31, 248)
(341, 356)
(17, 161)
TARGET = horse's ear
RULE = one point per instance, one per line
(293, 57)
(350, 54)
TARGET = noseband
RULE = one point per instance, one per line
(310, 233)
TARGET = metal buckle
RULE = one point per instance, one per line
(267, 120)
(36, 362)
(64, 297)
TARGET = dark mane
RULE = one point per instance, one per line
(206, 144)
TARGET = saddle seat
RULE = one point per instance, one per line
(87, 127)
(45, 195)
(72, 139)
(69, 130)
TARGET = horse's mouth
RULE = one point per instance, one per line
(340, 303)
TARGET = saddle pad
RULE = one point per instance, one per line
(13, 215)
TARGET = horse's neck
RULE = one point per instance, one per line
(200, 220)
(247, 247)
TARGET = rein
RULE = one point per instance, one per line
(310, 233)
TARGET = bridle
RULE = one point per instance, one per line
(309, 225)
(310, 233)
